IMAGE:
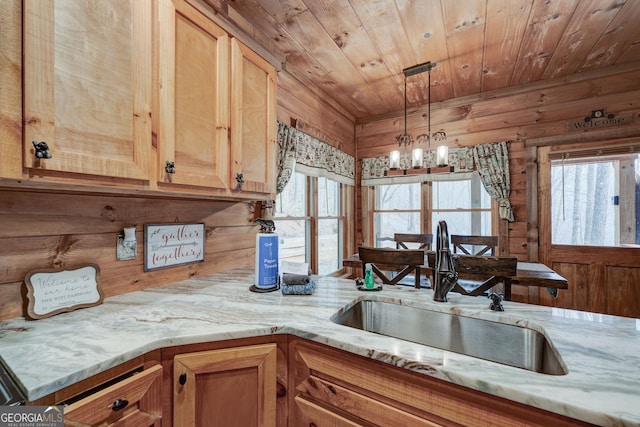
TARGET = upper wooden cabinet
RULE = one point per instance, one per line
(149, 95)
(217, 124)
(87, 87)
(253, 120)
(194, 98)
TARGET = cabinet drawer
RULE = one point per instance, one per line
(357, 407)
(316, 415)
(135, 401)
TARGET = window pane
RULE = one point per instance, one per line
(328, 197)
(467, 194)
(398, 196)
(293, 236)
(594, 200)
(464, 222)
(389, 223)
(293, 199)
(329, 253)
(464, 205)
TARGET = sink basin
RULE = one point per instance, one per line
(494, 341)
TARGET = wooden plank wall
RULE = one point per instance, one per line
(56, 230)
(539, 112)
(323, 119)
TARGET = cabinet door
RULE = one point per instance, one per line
(253, 121)
(87, 87)
(228, 387)
(135, 401)
(194, 98)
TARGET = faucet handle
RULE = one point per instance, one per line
(496, 302)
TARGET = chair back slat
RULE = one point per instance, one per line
(474, 245)
(471, 265)
(402, 261)
(478, 274)
(424, 240)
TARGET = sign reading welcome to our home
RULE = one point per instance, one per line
(53, 291)
(168, 245)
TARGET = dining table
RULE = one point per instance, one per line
(527, 274)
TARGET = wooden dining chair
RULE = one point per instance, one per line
(424, 241)
(477, 275)
(392, 265)
(474, 245)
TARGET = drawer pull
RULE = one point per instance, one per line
(182, 379)
(119, 404)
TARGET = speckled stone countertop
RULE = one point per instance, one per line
(601, 353)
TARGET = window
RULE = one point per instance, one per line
(310, 203)
(396, 210)
(329, 227)
(414, 207)
(292, 221)
(464, 205)
(595, 199)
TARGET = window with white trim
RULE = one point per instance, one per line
(595, 198)
(418, 207)
(309, 218)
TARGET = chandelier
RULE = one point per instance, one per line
(405, 139)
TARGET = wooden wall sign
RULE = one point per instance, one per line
(168, 245)
(51, 292)
(600, 119)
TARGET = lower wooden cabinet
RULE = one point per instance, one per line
(227, 387)
(283, 380)
(135, 401)
(330, 387)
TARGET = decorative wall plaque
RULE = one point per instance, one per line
(600, 119)
(51, 292)
(168, 245)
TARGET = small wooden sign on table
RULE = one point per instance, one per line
(52, 291)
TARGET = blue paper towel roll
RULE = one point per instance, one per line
(266, 260)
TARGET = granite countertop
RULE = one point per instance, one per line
(601, 353)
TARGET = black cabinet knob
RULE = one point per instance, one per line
(170, 167)
(119, 404)
(42, 150)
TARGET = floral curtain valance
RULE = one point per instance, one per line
(311, 157)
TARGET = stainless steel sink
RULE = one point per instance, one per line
(494, 341)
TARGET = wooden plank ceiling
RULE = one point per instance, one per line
(354, 51)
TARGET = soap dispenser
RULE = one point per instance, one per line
(369, 281)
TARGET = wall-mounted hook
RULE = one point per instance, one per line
(170, 167)
(42, 150)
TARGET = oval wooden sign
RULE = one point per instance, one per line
(51, 292)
